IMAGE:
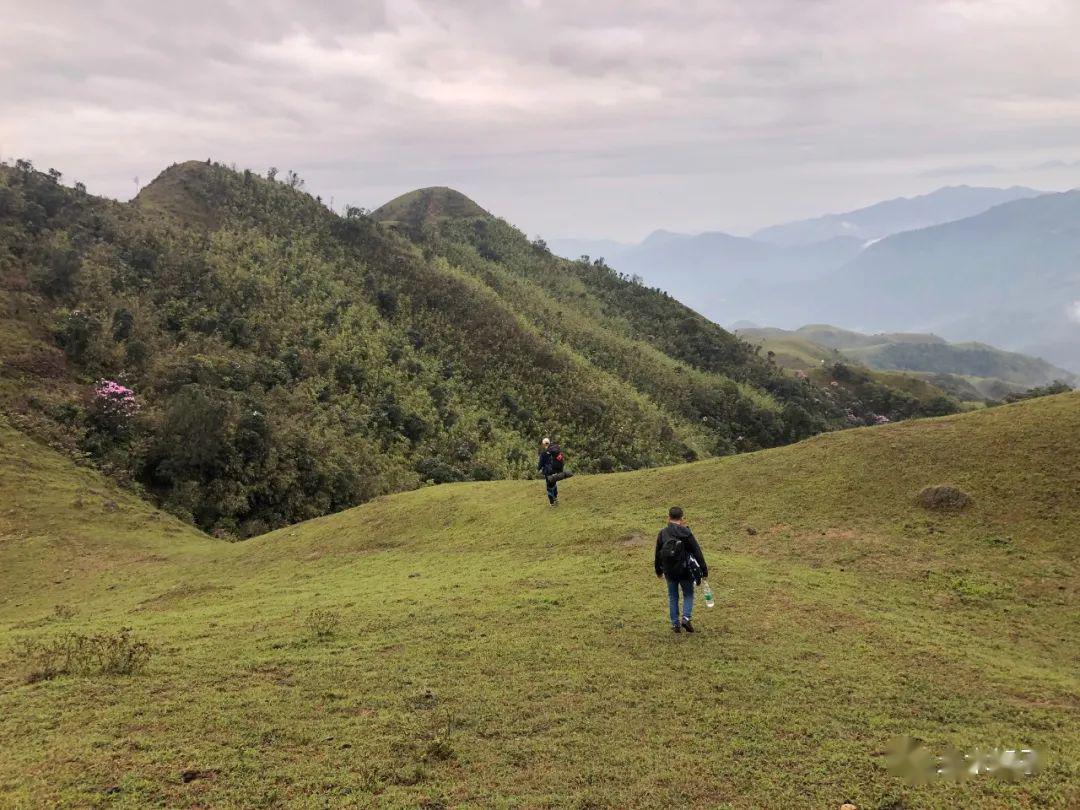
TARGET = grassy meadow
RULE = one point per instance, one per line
(468, 646)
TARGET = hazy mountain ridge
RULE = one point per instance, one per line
(788, 274)
(895, 216)
(706, 270)
(1008, 276)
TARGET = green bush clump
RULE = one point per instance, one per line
(323, 623)
(78, 654)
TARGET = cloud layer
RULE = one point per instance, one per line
(606, 120)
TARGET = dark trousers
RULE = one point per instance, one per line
(553, 491)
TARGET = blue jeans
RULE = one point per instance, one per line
(553, 491)
(673, 599)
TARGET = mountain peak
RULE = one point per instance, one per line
(177, 192)
(428, 206)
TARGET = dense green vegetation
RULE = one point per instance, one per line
(931, 354)
(972, 372)
(468, 646)
(285, 362)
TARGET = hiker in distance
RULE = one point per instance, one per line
(679, 559)
(552, 464)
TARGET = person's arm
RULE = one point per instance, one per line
(540, 463)
(699, 555)
(656, 555)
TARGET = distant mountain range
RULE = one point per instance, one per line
(893, 216)
(1009, 276)
(1006, 273)
(861, 225)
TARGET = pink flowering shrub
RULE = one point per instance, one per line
(109, 415)
(115, 399)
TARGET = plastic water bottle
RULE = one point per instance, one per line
(708, 594)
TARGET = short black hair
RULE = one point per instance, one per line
(675, 513)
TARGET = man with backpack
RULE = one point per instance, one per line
(679, 559)
(552, 464)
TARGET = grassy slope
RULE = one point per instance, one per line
(790, 350)
(70, 536)
(496, 653)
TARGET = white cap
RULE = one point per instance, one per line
(546, 440)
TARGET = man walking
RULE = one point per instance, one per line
(680, 560)
(544, 465)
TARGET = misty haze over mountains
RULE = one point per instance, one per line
(995, 265)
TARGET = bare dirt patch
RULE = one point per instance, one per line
(180, 593)
(633, 540)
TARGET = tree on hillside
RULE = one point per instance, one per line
(293, 180)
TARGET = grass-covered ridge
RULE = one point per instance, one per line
(495, 652)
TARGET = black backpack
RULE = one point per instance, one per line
(558, 459)
(672, 554)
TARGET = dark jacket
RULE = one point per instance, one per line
(544, 464)
(690, 543)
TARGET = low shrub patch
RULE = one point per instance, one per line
(323, 623)
(76, 654)
(944, 497)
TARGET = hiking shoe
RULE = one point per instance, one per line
(687, 626)
(676, 629)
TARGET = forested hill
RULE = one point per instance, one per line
(284, 362)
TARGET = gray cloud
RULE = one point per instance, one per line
(608, 118)
(967, 170)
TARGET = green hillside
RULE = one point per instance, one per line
(791, 350)
(899, 351)
(494, 652)
(285, 362)
(968, 371)
(894, 395)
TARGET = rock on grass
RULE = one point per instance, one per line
(944, 497)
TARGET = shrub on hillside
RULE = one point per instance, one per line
(437, 471)
(323, 623)
(944, 497)
(76, 654)
(1056, 387)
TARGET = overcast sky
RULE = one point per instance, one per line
(603, 119)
